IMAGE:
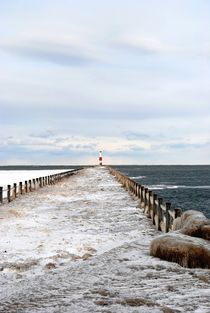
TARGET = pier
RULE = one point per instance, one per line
(82, 245)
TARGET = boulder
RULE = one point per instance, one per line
(193, 223)
(182, 249)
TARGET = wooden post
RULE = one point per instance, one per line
(40, 182)
(26, 186)
(178, 212)
(30, 187)
(14, 190)
(136, 188)
(153, 212)
(1, 194)
(145, 199)
(159, 214)
(20, 188)
(167, 217)
(149, 203)
(34, 183)
(8, 193)
(142, 196)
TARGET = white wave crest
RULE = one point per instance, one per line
(163, 186)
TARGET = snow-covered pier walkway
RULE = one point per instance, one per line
(83, 246)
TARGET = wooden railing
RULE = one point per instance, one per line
(11, 192)
(162, 214)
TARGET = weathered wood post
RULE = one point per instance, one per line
(145, 199)
(177, 212)
(136, 189)
(159, 214)
(30, 186)
(154, 210)
(9, 193)
(167, 217)
(1, 194)
(34, 183)
(142, 196)
(26, 186)
(149, 203)
(14, 190)
(40, 182)
(20, 188)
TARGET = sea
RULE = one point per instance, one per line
(185, 186)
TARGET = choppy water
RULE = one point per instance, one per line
(187, 187)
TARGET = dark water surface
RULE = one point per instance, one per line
(187, 187)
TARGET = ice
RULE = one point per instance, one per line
(11, 177)
(82, 245)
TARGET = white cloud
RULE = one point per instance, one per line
(140, 44)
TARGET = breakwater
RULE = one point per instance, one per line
(83, 246)
(11, 192)
(154, 207)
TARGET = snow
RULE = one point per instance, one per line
(11, 177)
(82, 245)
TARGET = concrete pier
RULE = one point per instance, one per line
(82, 245)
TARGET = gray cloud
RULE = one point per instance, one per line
(178, 146)
(46, 134)
(65, 54)
(136, 135)
(181, 146)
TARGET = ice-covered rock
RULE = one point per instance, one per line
(184, 250)
(193, 223)
(179, 247)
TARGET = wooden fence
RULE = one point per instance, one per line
(11, 192)
(162, 214)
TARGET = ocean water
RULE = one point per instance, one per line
(186, 187)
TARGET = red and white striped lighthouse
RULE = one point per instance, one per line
(100, 158)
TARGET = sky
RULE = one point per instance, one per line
(130, 78)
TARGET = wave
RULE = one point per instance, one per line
(137, 177)
(162, 186)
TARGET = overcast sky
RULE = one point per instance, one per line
(129, 77)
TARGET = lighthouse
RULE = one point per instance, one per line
(100, 158)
